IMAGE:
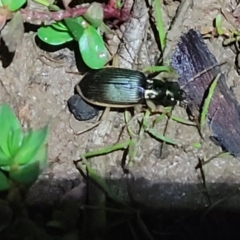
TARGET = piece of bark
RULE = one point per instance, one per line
(192, 57)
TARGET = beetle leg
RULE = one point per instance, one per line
(151, 105)
(156, 109)
(115, 61)
(88, 129)
(160, 109)
(105, 114)
(138, 108)
(102, 118)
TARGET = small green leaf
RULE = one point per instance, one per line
(45, 3)
(41, 157)
(4, 182)
(60, 26)
(92, 48)
(8, 122)
(183, 121)
(161, 137)
(13, 5)
(32, 143)
(53, 36)
(26, 174)
(108, 149)
(76, 26)
(15, 138)
(4, 160)
(119, 4)
(94, 14)
(158, 8)
(29, 172)
(196, 145)
(218, 22)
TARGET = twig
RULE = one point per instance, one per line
(34, 16)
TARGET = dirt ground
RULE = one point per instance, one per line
(39, 93)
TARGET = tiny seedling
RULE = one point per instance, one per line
(196, 145)
(218, 23)
(84, 30)
(23, 155)
(230, 36)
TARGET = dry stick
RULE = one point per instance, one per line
(33, 16)
(102, 117)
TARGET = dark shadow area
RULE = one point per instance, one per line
(163, 211)
(6, 57)
(77, 2)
